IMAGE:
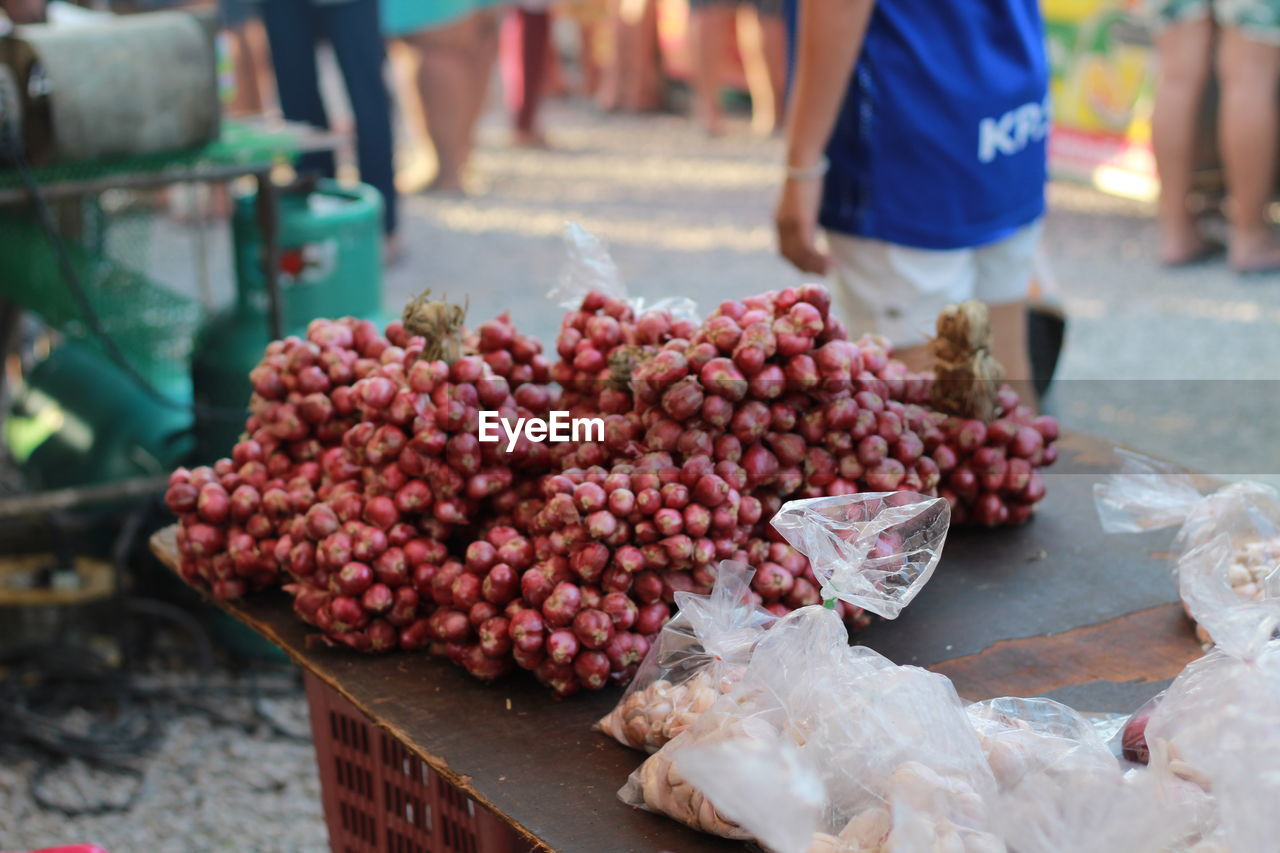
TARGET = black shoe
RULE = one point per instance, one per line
(1046, 329)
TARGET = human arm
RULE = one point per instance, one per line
(829, 42)
(24, 11)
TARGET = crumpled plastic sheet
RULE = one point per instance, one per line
(874, 550)
(589, 266)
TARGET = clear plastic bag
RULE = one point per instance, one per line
(1146, 494)
(869, 755)
(1227, 550)
(1061, 789)
(827, 747)
(1240, 621)
(874, 550)
(769, 788)
(1214, 737)
(1217, 730)
(749, 749)
(822, 749)
(589, 267)
(1079, 805)
(1025, 736)
(660, 785)
(699, 655)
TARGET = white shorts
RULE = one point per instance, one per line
(897, 291)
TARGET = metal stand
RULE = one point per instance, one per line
(268, 205)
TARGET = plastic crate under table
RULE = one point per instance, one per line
(381, 798)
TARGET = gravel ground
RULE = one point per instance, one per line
(207, 788)
(1181, 364)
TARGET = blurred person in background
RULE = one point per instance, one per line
(455, 45)
(526, 55)
(294, 28)
(1246, 34)
(632, 78)
(23, 11)
(762, 48)
(589, 18)
(250, 57)
(916, 140)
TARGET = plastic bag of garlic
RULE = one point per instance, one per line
(804, 685)
(1147, 495)
(1060, 788)
(1213, 736)
(699, 655)
(874, 550)
(1216, 730)
(824, 747)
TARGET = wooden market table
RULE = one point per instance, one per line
(1054, 609)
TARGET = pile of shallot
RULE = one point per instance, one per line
(362, 487)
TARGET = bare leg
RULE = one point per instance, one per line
(1248, 71)
(709, 39)
(1009, 343)
(638, 56)
(589, 58)
(525, 52)
(557, 85)
(444, 88)
(651, 96)
(609, 93)
(775, 57)
(762, 44)
(255, 42)
(484, 55)
(416, 159)
(247, 99)
(404, 60)
(1184, 51)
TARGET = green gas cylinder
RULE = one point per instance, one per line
(329, 242)
(77, 419)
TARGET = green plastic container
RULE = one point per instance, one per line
(330, 266)
(78, 419)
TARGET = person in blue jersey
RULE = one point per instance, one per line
(917, 142)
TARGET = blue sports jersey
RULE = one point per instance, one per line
(941, 140)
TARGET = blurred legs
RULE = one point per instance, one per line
(762, 45)
(1248, 71)
(1184, 51)
(709, 41)
(444, 89)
